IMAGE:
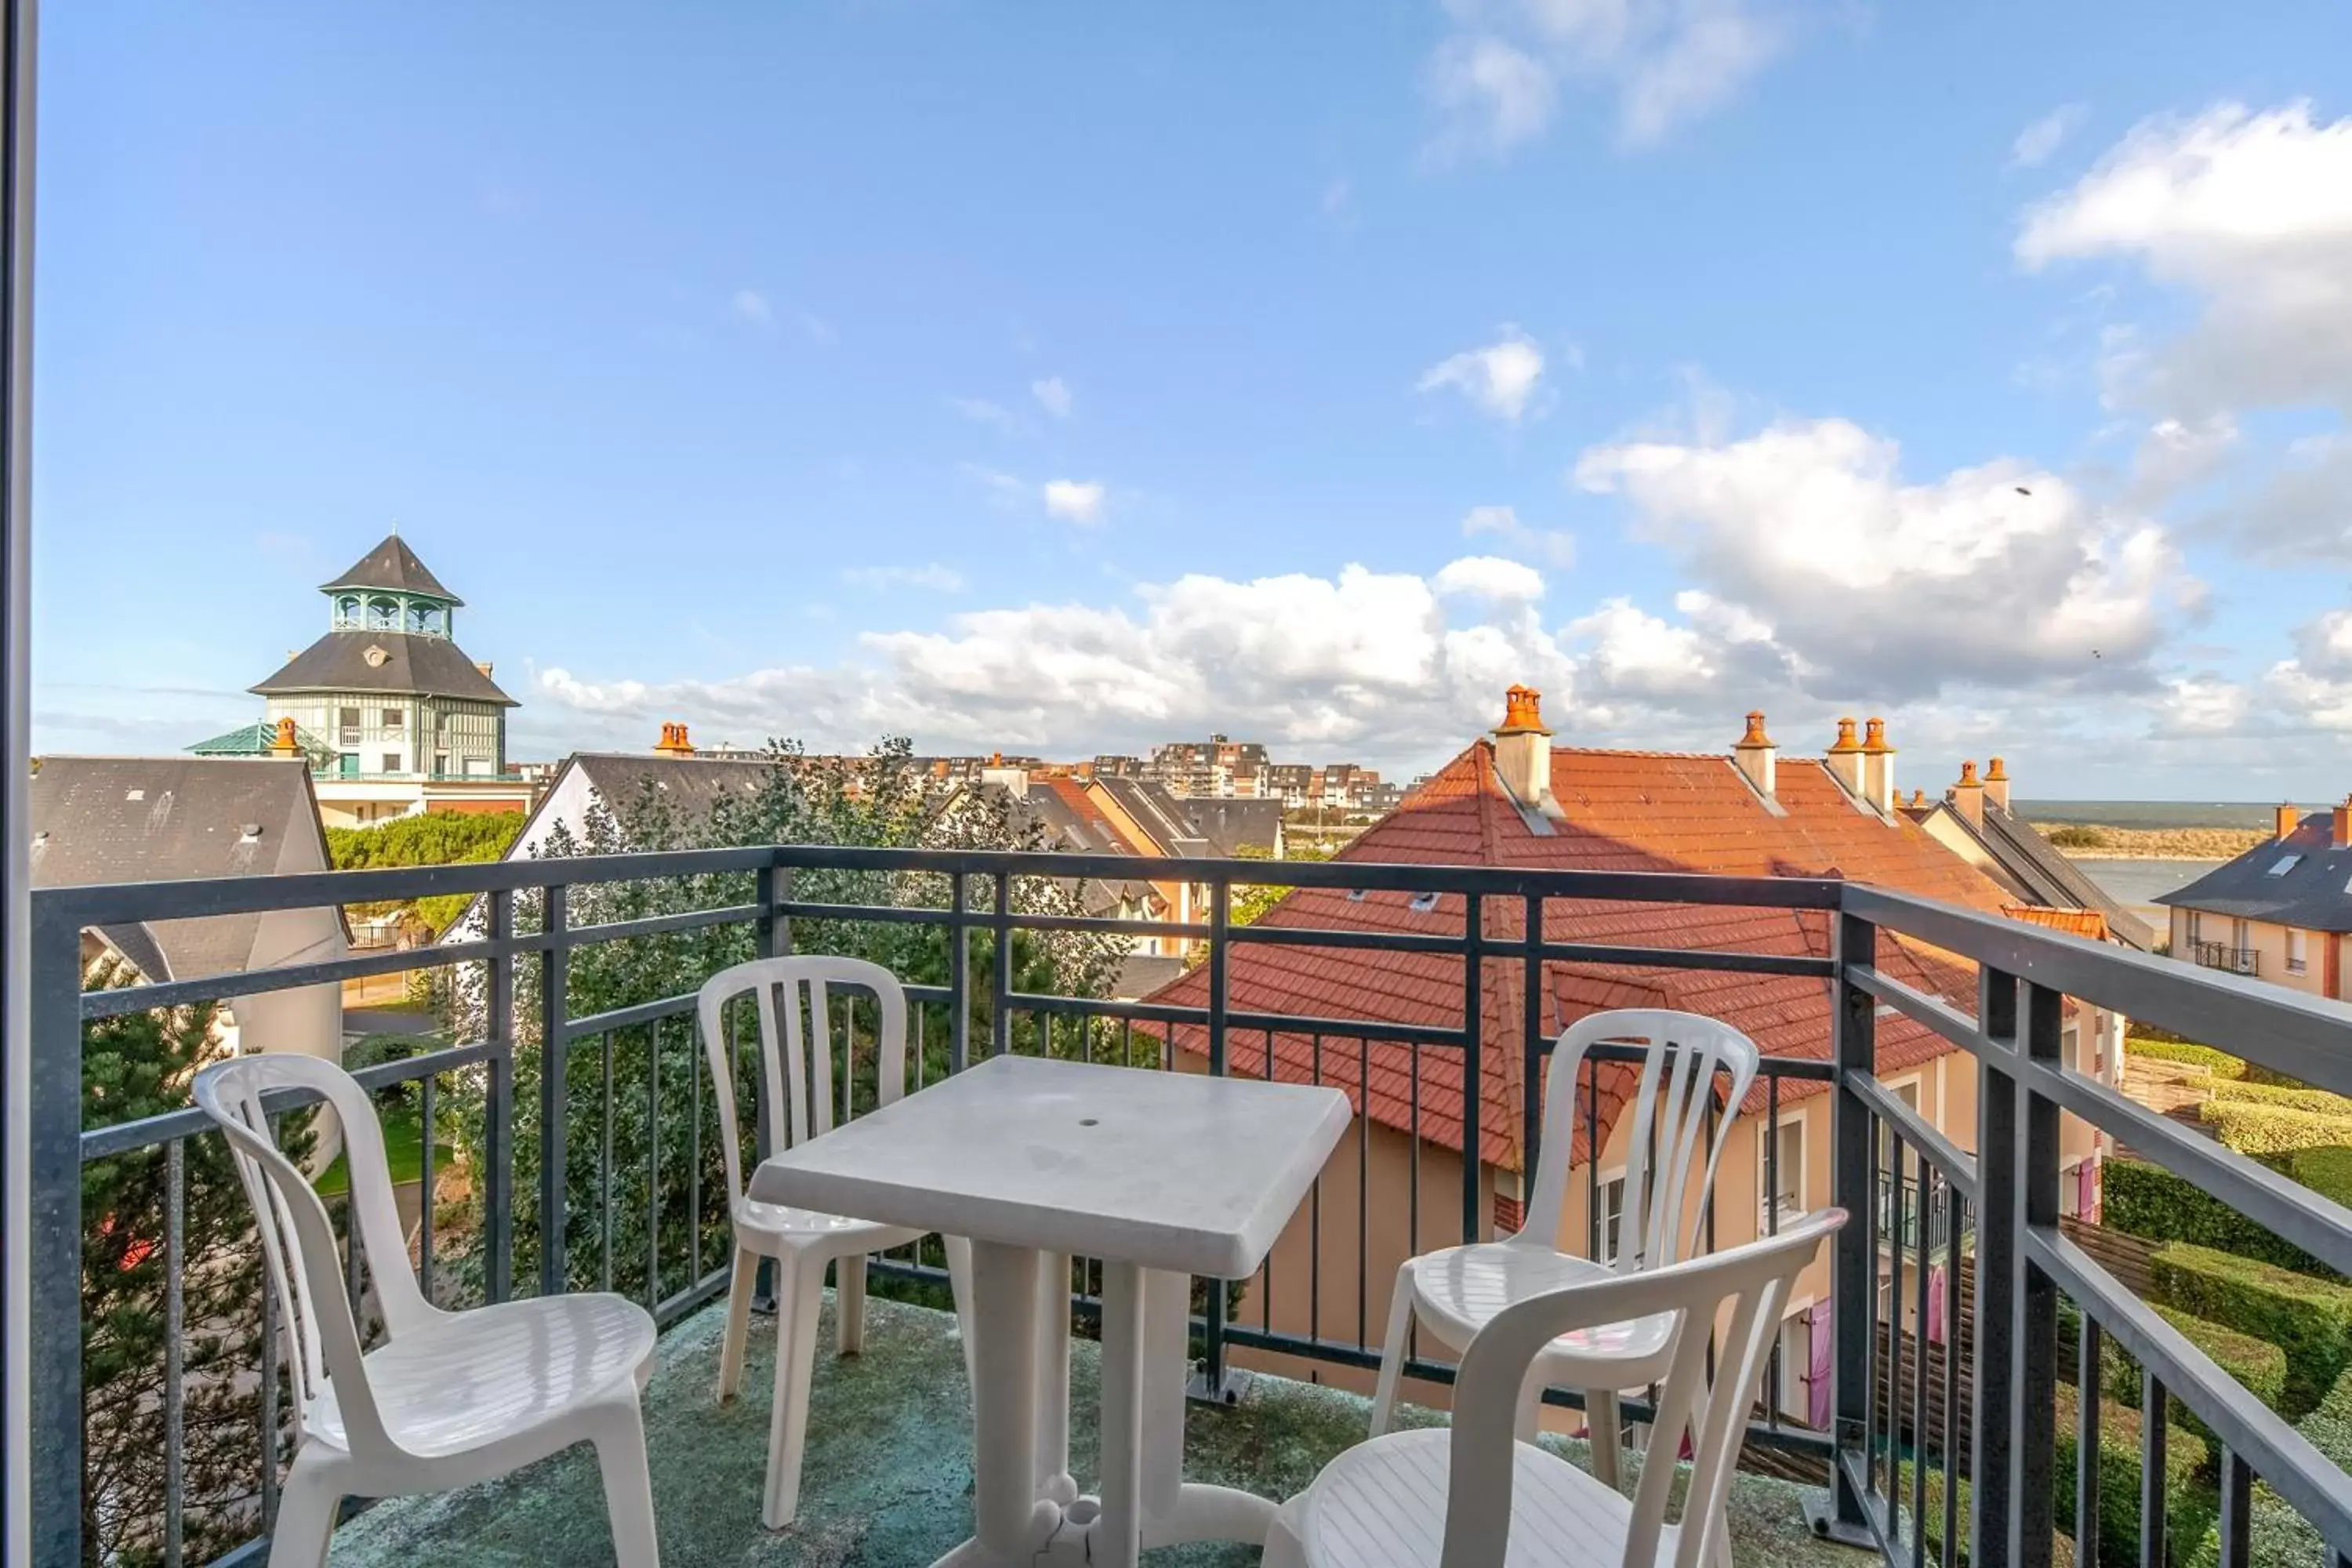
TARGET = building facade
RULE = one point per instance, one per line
(2282, 911)
(394, 717)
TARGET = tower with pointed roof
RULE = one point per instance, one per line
(395, 717)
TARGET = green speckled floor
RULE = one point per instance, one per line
(888, 1479)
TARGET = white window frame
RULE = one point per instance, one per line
(2298, 950)
(1605, 1250)
(1789, 1211)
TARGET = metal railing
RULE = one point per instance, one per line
(600, 1171)
(2231, 960)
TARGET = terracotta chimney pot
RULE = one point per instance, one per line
(285, 746)
(1968, 796)
(1845, 760)
(1996, 784)
(2287, 821)
(1755, 754)
(1878, 767)
(1523, 749)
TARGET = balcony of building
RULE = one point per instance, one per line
(1929, 1417)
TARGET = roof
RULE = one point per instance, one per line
(2303, 880)
(1156, 812)
(692, 786)
(410, 665)
(2092, 923)
(1140, 974)
(1059, 812)
(391, 566)
(2047, 876)
(1634, 811)
(258, 740)
(1232, 827)
(169, 819)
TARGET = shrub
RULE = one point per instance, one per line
(2252, 1127)
(2165, 1048)
(2259, 1365)
(2309, 1319)
(2327, 1170)
(2292, 1096)
(2149, 1201)
(2077, 835)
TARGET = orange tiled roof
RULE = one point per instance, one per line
(1628, 811)
(2092, 923)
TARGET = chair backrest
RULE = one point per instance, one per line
(796, 1074)
(300, 1253)
(1736, 1297)
(1672, 1113)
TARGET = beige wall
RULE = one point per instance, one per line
(2269, 939)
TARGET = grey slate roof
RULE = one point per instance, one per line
(1159, 814)
(394, 566)
(691, 786)
(413, 666)
(168, 819)
(1231, 825)
(2314, 892)
(2051, 878)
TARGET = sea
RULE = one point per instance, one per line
(2138, 883)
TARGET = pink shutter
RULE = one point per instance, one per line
(1936, 1305)
(1817, 1378)
(2087, 1200)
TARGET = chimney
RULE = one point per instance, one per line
(1918, 799)
(1845, 761)
(1996, 784)
(1754, 755)
(484, 666)
(2343, 834)
(1523, 747)
(1015, 780)
(1878, 767)
(673, 741)
(1968, 796)
(285, 746)
(2289, 819)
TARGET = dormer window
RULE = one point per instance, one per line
(2286, 863)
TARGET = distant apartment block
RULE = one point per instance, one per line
(1216, 767)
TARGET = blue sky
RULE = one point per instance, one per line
(1068, 381)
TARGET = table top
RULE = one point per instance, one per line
(1165, 1169)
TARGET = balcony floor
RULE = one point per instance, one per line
(889, 1477)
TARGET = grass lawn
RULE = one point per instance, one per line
(403, 1149)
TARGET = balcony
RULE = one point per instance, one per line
(2229, 960)
(1940, 1364)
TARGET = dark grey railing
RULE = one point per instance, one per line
(2234, 960)
(1975, 1403)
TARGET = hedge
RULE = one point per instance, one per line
(2309, 1319)
(2278, 1533)
(2291, 1097)
(2255, 1129)
(2149, 1201)
(2188, 1505)
(2257, 1364)
(2220, 1064)
(2327, 1170)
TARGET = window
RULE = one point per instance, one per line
(2284, 864)
(347, 724)
(2070, 1049)
(2196, 928)
(391, 761)
(440, 762)
(2297, 953)
(395, 717)
(1610, 1207)
(1781, 1174)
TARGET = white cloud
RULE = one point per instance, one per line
(980, 411)
(1074, 501)
(1999, 574)
(2251, 211)
(2038, 141)
(1489, 577)
(1495, 80)
(1553, 547)
(1491, 96)
(1052, 395)
(2303, 509)
(931, 577)
(1499, 378)
(751, 305)
(2177, 454)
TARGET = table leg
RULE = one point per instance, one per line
(1053, 1482)
(1118, 1532)
(1176, 1511)
(1011, 1519)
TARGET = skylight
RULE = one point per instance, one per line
(2285, 864)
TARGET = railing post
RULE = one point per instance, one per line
(1474, 1011)
(1853, 1261)
(2034, 1446)
(497, 1105)
(1531, 1046)
(1992, 1532)
(1000, 1008)
(1214, 1385)
(55, 1365)
(959, 976)
(555, 1059)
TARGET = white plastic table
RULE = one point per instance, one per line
(1161, 1175)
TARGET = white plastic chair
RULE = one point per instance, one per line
(449, 1398)
(796, 1070)
(1455, 1292)
(1511, 1502)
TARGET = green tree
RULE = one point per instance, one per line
(434, 838)
(138, 1065)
